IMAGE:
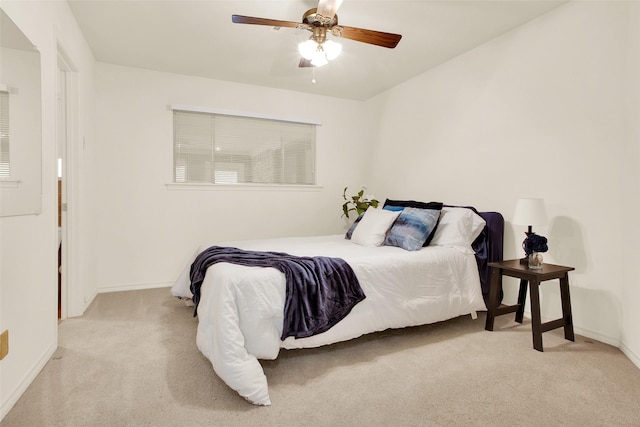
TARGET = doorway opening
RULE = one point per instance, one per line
(66, 115)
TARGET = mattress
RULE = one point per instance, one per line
(241, 308)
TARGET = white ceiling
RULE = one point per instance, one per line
(10, 35)
(198, 38)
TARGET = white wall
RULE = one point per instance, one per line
(28, 288)
(541, 111)
(550, 109)
(631, 290)
(145, 231)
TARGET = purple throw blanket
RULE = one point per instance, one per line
(320, 291)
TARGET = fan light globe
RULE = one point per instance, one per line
(308, 49)
(319, 59)
(332, 49)
(319, 54)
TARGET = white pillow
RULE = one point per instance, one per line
(373, 227)
(457, 227)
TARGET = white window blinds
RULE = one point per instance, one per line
(226, 149)
(5, 160)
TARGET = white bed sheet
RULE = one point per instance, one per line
(241, 308)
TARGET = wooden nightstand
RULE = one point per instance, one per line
(513, 268)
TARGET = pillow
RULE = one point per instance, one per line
(353, 227)
(373, 227)
(412, 228)
(458, 227)
(397, 204)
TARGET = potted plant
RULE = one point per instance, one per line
(358, 202)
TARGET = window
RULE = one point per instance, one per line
(229, 149)
(5, 163)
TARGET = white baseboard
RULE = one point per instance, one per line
(88, 301)
(615, 342)
(134, 287)
(630, 354)
(26, 381)
(77, 311)
(120, 288)
(587, 333)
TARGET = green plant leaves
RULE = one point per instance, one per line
(358, 202)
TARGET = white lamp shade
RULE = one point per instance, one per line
(530, 212)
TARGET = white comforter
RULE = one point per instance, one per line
(241, 308)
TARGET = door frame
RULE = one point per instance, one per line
(68, 149)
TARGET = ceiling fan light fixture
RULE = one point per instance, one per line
(321, 21)
(319, 53)
(332, 49)
(320, 58)
(308, 49)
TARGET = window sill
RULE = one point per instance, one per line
(241, 187)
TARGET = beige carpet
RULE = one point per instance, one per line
(132, 361)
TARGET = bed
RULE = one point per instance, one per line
(240, 308)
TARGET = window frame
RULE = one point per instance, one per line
(172, 185)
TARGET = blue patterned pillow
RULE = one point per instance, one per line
(412, 228)
(397, 204)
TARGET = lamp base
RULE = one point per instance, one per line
(533, 261)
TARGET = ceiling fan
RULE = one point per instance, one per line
(319, 50)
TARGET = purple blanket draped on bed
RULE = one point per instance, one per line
(320, 291)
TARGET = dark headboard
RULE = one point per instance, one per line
(488, 248)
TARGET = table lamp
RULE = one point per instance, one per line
(530, 212)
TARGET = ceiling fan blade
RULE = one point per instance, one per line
(371, 36)
(328, 8)
(239, 19)
(305, 63)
